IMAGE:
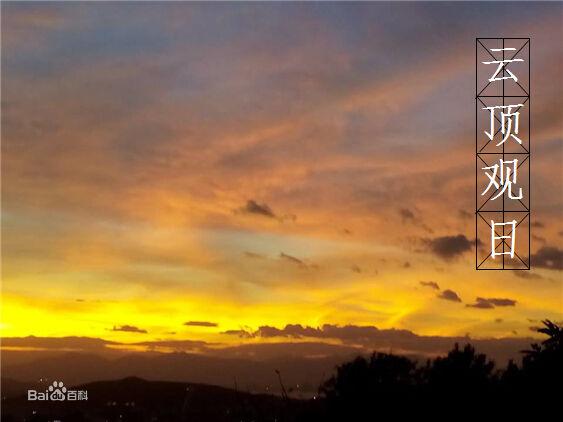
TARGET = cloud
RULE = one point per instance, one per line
(549, 257)
(537, 224)
(490, 303)
(481, 304)
(364, 338)
(145, 183)
(371, 337)
(355, 268)
(347, 333)
(253, 255)
(501, 302)
(57, 343)
(539, 238)
(409, 216)
(293, 259)
(180, 345)
(239, 333)
(129, 329)
(465, 214)
(449, 295)
(448, 247)
(527, 275)
(201, 324)
(406, 214)
(431, 284)
(253, 207)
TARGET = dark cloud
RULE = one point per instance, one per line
(292, 259)
(481, 303)
(490, 303)
(253, 255)
(129, 329)
(549, 257)
(537, 224)
(253, 207)
(409, 217)
(448, 247)
(465, 214)
(527, 275)
(431, 284)
(406, 214)
(57, 343)
(501, 301)
(239, 333)
(449, 295)
(499, 320)
(290, 330)
(371, 338)
(302, 341)
(201, 324)
(183, 345)
(539, 238)
(356, 269)
(347, 333)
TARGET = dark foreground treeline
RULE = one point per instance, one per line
(460, 384)
(381, 387)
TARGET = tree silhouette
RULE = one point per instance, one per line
(461, 369)
(384, 384)
(542, 366)
(370, 386)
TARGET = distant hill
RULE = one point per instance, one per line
(12, 388)
(304, 366)
(136, 399)
(301, 375)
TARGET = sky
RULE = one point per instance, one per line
(176, 172)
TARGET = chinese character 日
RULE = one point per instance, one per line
(494, 237)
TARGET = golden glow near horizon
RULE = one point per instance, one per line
(190, 173)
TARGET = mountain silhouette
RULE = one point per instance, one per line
(366, 388)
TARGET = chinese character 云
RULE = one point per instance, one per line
(502, 66)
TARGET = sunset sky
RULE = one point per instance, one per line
(177, 171)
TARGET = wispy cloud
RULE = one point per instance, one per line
(129, 329)
(431, 284)
(201, 324)
(253, 207)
